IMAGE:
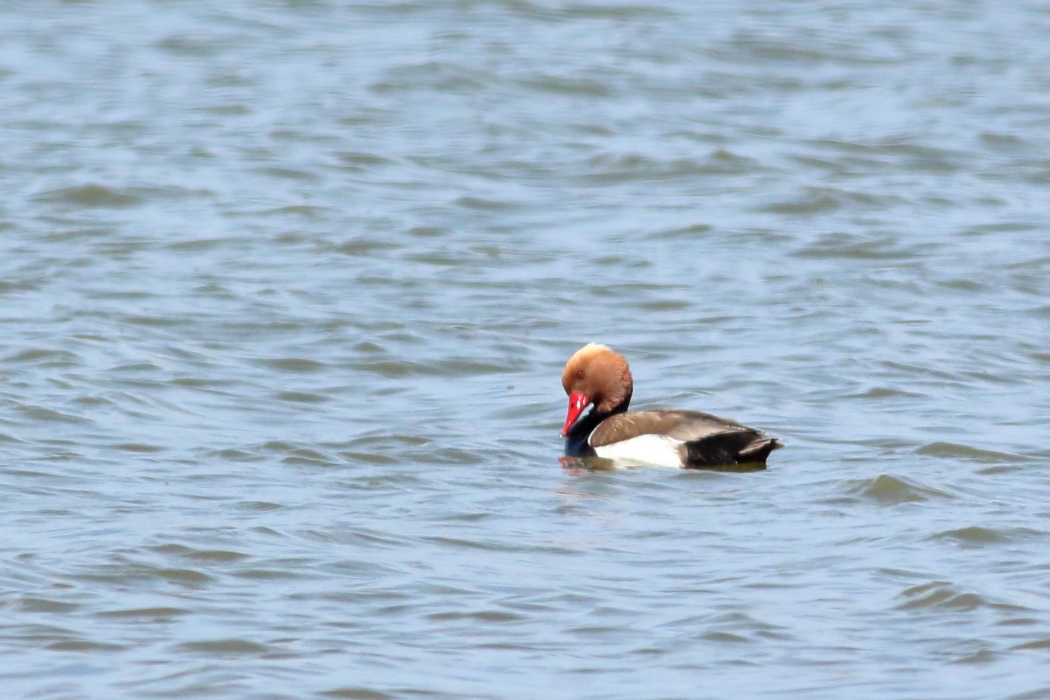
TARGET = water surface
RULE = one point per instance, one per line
(286, 289)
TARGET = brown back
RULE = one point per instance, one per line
(681, 425)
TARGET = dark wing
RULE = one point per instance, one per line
(681, 425)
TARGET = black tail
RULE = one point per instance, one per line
(742, 447)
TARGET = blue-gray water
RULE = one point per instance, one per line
(286, 289)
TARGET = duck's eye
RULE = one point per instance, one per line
(579, 374)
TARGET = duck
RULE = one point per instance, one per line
(598, 377)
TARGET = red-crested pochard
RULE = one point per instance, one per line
(598, 377)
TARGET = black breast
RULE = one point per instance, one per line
(576, 444)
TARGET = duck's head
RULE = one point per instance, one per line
(595, 375)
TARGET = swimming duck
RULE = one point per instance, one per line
(598, 377)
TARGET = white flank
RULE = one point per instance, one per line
(651, 450)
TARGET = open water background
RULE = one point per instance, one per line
(286, 289)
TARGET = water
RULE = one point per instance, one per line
(286, 289)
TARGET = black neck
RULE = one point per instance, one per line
(576, 439)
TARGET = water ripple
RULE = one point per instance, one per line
(288, 287)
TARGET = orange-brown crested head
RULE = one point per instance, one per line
(595, 375)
